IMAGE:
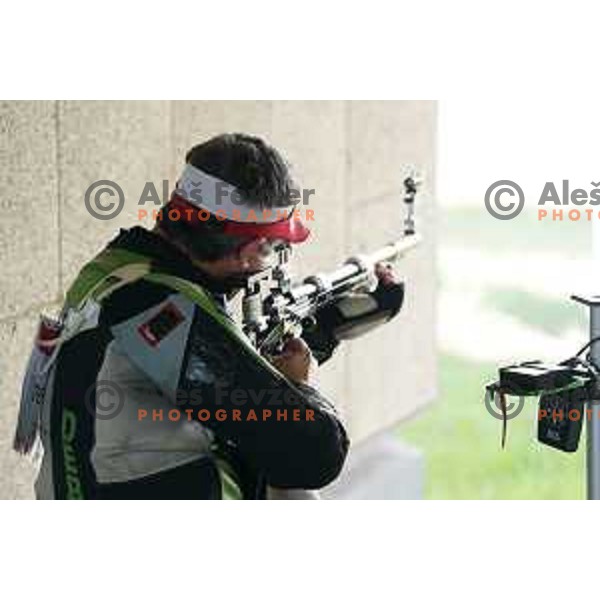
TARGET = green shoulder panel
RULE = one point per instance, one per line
(113, 268)
(104, 273)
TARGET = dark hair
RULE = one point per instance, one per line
(247, 162)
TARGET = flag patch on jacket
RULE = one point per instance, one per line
(161, 324)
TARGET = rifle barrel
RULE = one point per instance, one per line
(350, 270)
(395, 250)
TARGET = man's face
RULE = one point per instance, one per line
(251, 258)
(260, 254)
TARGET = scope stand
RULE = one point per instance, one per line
(593, 426)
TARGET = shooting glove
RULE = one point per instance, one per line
(352, 316)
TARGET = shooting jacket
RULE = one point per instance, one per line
(131, 406)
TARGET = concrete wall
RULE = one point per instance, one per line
(351, 153)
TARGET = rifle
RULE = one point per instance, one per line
(274, 309)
